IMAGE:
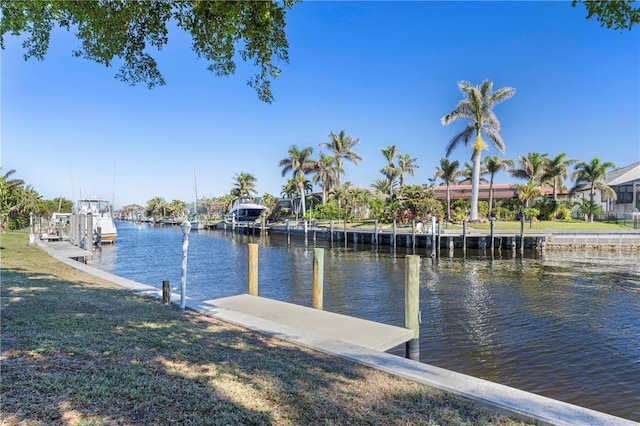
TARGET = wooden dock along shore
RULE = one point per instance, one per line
(272, 313)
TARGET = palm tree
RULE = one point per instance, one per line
(298, 162)
(390, 171)
(477, 107)
(467, 174)
(529, 192)
(382, 186)
(533, 167)
(557, 171)
(592, 174)
(156, 206)
(448, 172)
(341, 145)
(176, 207)
(326, 174)
(244, 185)
(406, 166)
(494, 164)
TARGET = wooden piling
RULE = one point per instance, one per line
(522, 232)
(394, 234)
(331, 231)
(253, 269)
(433, 236)
(375, 232)
(492, 232)
(413, 234)
(318, 277)
(464, 235)
(166, 292)
(412, 305)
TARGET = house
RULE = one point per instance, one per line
(625, 182)
(501, 191)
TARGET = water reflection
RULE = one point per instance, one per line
(562, 324)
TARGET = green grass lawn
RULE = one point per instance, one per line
(77, 350)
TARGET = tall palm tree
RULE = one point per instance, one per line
(477, 107)
(326, 174)
(244, 185)
(592, 174)
(298, 162)
(448, 172)
(341, 145)
(407, 165)
(494, 164)
(532, 167)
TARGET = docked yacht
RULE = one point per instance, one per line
(104, 229)
(245, 209)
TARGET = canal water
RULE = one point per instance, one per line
(561, 324)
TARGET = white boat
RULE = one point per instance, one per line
(245, 209)
(104, 229)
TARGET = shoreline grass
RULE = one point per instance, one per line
(77, 350)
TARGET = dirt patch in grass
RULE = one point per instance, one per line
(77, 350)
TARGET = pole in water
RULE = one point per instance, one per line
(412, 304)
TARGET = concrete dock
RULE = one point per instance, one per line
(275, 318)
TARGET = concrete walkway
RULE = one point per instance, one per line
(503, 399)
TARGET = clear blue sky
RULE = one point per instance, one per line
(385, 72)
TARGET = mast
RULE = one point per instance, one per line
(195, 191)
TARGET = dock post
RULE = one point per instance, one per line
(346, 235)
(288, 231)
(331, 231)
(253, 269)
(433, 236)
(412, 305)
(166, 292)
(439, 236)
(522, 233)
(464, 235)
(89, 241)
(394, 234)
(492, 231)
(81, 234)
(413, 234)
(375, 232)
(318, 277)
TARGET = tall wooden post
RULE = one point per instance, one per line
(375, 232)
(318, 277)
(492, 231)
(433, 236)
(394, 234)
(253, 269)
(522, 232)
(464, 235)
(412, 305)
(331, 231)
(413, 234)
